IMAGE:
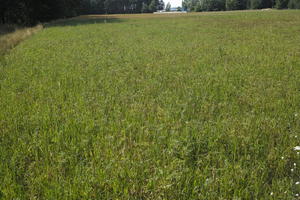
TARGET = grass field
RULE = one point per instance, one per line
(197, 106)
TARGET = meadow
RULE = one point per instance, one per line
(196, 106)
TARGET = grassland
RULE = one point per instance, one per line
(197, 106)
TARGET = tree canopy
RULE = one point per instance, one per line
(218, 5)
(29, 12)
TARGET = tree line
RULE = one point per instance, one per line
(222, 5)
(30, 12)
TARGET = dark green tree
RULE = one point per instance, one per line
(255, 4)
(294, 4)
(161, 5)
(153, 6)
(145, 8)
(231, 5)
(168, 7)
(281, 4)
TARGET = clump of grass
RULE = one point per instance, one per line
(11, 35)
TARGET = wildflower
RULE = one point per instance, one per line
(271, 193)
(282, 158)
(295, 164)
(297, 183)
(297, 195)
(292, 170)
(296, 114)
(297, 148)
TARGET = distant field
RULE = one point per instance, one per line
(193, 106)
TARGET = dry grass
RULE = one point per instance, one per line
(12, 39)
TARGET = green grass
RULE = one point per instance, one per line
(198, 106)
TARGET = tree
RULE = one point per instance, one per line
(294, 4)
(231, 4)
(242, 4)
(153, 6)
(29, 12)
(191, 5)
(255, 4)
(211, 5)
(144, 8)
(161, 5)
(281, 4)
(168, 7)
(267, 3)
(185, 4)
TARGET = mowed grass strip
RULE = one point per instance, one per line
(199, 106)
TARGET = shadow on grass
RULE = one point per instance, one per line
(7, 28)
(84, 20)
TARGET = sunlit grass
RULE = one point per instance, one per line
(198, 106)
